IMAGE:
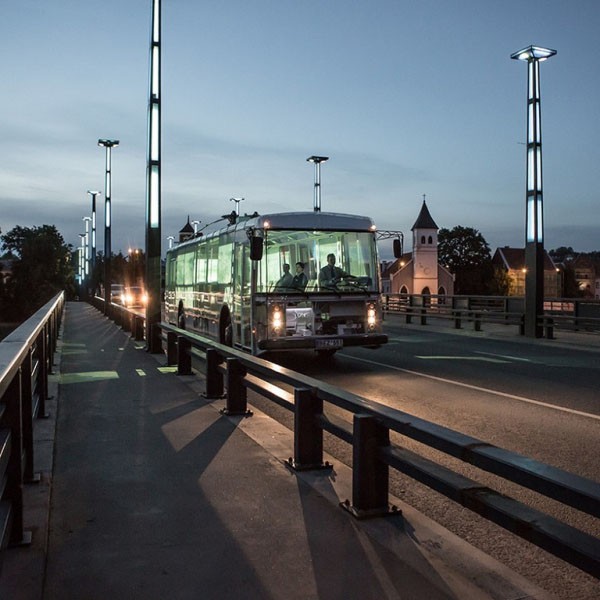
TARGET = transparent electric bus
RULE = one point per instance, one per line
(227, 284)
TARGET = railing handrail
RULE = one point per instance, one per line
(583, 494)
(22, 338)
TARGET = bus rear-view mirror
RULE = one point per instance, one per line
(256, 248)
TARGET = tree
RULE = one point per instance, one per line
(41, 269)
(464, 251)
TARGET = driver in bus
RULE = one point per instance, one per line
(329, 275)
(285, 281)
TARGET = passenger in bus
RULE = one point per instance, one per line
(285, 281)
(330, 274)
(300, 279)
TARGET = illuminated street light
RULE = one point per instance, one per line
(81, 268)
(109, 145)
(153, 188)
(195, 225)
(87, 220)
(317, 160)
(534, 213)
(93, 194)
(171, 239)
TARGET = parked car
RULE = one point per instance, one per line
(116, 293)
(135, 296)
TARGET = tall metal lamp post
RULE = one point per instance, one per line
(534, 224)
(93, 194)
(153, 189)
(109, 145)
(317, 160)
(87, 220)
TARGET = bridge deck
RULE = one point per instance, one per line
(152, 493)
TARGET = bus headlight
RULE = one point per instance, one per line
(277, 319)
(371, 316)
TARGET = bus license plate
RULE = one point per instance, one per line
(329, 343)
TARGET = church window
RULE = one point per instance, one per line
(422, 239)
(430, 240)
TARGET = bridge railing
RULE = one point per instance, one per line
(230, 373)
(559, 313)
(26, 357)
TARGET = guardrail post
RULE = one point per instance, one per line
(457, 319)
(308, 435)
(370, 475)
(184, 356)
(214, 377)
(236, 390)
(477, 321)
(549, 327)
(171, 348)
(522, 325)
(138, 328)
(423, 316)
(14, 471)
(126, 321)
(409, 310)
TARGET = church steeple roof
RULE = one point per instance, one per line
(187, 228)
(424, 220)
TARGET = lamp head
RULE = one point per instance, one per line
(108, 143)
(317, 159)
(533, 53)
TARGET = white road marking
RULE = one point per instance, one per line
(504, 356)
(479, 389)
(478, 358)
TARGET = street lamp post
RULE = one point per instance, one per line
(317, 160)
(534, 224)
(81, 264)
(153, 189)
(109, 145)
(93, 194)
(87, 220)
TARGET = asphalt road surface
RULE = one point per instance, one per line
(541, 400)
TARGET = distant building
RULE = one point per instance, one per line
(419, 272)
(186, 232)
(586, 275)
(512, 261)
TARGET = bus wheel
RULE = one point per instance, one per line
(226, 328)
(180, 315)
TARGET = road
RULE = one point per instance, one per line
(537, 398)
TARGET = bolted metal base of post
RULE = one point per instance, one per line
(296, 466)
(26, 540)
(236, 413)
(389, 511)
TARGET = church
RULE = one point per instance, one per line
(418, 271)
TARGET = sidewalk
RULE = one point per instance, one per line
(155, 494)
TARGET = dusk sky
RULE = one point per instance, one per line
(406, 98)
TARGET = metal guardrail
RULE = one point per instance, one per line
(566, 314)
(230, 373)
(25, 362)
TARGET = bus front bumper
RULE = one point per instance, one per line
(325, 342)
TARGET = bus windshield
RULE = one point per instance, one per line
(339, 261)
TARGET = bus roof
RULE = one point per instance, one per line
(318, 221)
(313, 220)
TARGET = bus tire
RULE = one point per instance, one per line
(225, 328)
(180, 315)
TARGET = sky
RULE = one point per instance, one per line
(406, 98)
